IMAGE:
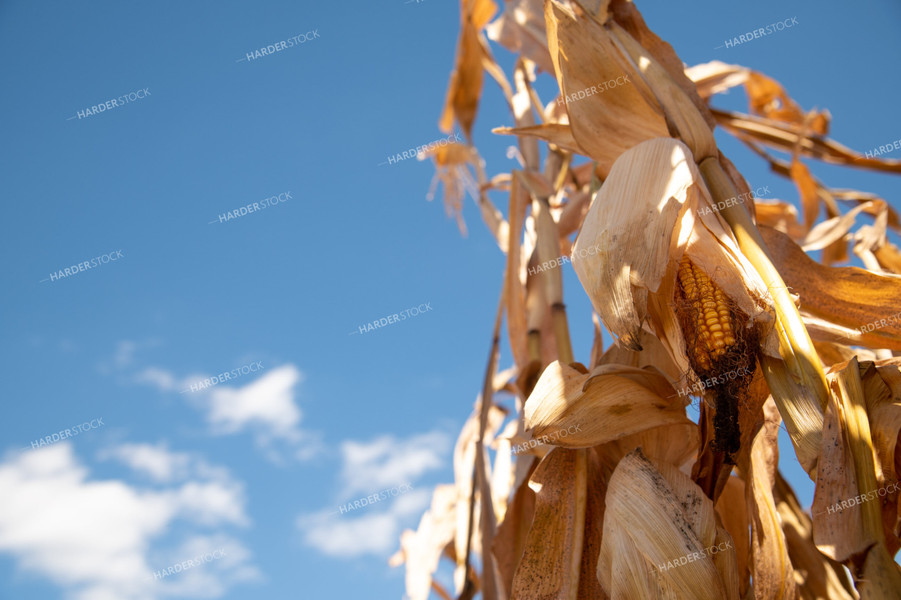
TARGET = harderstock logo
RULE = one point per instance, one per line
(414, 311)
(111, 104)
(252, 208)
(85, 265)
(759, 32)
(279, 46)
(202, 384)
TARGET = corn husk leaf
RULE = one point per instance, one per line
(733, 513)
(513, 531)
(850, 297)
(668, 444)
(608, 123)
(882, 386)
(573, 409)
(817, 575)
(853, 532)
(420, 550)
(515, 275)
(552, 561)
(656, 515)
(520, 29)
(651, 200)
(652, 354)
(715, 77)
(771, 567)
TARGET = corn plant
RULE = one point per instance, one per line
(598, 484)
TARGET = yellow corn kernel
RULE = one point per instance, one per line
(712, 319)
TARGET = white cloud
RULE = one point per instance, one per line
(204, 566)
(92, 537)
(125, 352)
(155, 461)
(375, 532)
(386, 461)
(265, 406)
(369, 468)
(159, 378)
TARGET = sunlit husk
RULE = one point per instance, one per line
(659, 529)
(573, 409)
(654, 199)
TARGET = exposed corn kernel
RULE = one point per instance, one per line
(713, 321)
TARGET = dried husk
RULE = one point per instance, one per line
(656, 515)
(565, 522)
(651, 200)
(853, 533)
(771, 567)
(573, 409)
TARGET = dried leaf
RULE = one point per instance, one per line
(659, 520)
(575, 410)
(715, 77)
(465, 87)
(420, 550)
(520, 29)
(604, 123)
(551, 562)
(771, 566)
(847, 296)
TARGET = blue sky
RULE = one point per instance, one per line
(254, 465)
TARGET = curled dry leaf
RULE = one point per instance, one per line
(420, 550)
(770, 100)
(608, 123)
(779, 215)
(864, 303)
(573, 409)
(520, 29)
(715, 77)
(558, 134)
(786, 137)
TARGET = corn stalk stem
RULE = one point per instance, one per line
(548, 248)
(561, 334)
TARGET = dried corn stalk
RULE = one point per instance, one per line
(601, 485)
